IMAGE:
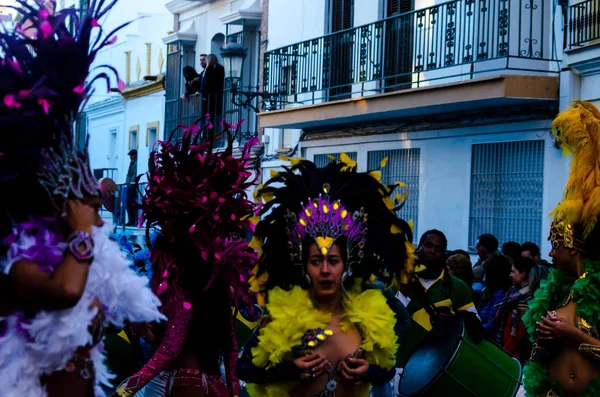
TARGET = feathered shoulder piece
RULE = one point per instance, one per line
(196, 197)
(577, 131)
(44, 81)
(328, 205)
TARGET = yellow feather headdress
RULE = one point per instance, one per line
(577, 131)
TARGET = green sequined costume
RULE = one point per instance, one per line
(550, 295)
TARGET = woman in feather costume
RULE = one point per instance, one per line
(65, 279)
(196, 197)
(325, 232)
(564, 316)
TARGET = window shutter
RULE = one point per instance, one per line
(342, 15)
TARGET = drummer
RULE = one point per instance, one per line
(564, 315)
(434, 294)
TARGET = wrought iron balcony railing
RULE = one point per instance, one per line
(584, 22)
(453, 41)
(193, 109)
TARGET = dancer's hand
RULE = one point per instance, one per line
(311, 366)
(354, 369)
(80, 216)
(555, 327)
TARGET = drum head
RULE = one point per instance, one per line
(432, 356)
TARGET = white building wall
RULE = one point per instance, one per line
(142, 111)
(102, 119)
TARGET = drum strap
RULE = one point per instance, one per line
(419, 291)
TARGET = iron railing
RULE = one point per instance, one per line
(126, 210)
(193, 110)
(453, 41)
(584, 22)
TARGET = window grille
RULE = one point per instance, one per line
(322, 160)
(402, 166)
(507, 183)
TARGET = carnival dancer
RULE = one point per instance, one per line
(564, 315)
(67, 280)
(324, 233)
(202, 263)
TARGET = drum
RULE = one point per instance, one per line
(448, 363)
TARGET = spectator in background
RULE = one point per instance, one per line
(202, 60)
(497, 282)
(459, 265)
(512, 334)
(131, 199)
(537, 274)
(531, 250)
(213, 82)
(192, 82)
(486, 245)
(512, 249)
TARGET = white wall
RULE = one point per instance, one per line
(102, 118)
(293, 21)
(141, 111)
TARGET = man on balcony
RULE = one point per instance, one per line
(131, 199)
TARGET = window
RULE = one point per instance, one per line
(323, 160)
(403, 166)
(286, 139)
(81, 130)
(507, 182)
(151, 134)
(342, 15)
(133, 137)
(112, 154)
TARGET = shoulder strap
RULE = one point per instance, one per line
(417, 288)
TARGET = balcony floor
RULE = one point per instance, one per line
(482, 93)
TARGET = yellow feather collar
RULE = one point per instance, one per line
(292, 313)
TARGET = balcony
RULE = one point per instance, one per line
(193, 109)
(584, 23)
(450, 44)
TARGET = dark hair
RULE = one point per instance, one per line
(536, 275)
(212, 303)
(497, 272)
(524, 264)
(531, 247)
(512, 249)
(461, 267)
(189, 73)
(591, 247)
(202, 55)
(489, 242)
(434, 232)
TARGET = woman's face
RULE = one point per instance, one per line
(96, 203)
(325, 271)
(518, 277)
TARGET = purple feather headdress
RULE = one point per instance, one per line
(324, 221)
(44, 82)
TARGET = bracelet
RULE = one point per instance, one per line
(589, 350)
(75, 242)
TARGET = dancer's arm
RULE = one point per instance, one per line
(63, 287)
(248, 372)
(357, 369)
(167, 352)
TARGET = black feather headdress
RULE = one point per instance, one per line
(325, 204)
(45, 80)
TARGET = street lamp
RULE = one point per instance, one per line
(233, 55)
